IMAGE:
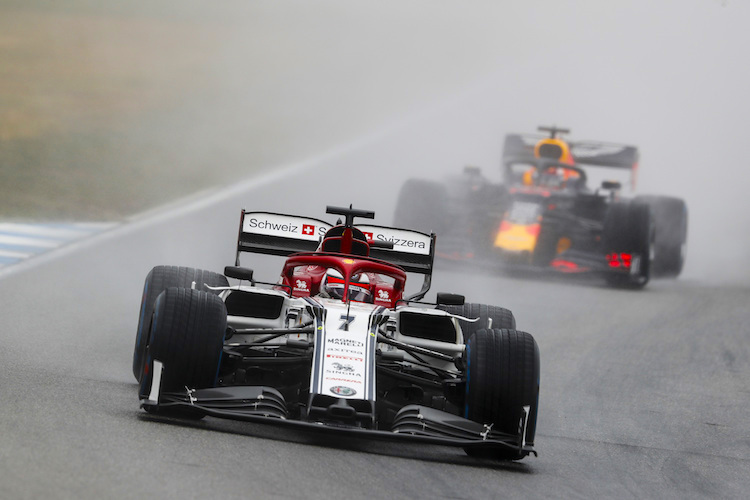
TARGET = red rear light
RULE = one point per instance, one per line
(564, 264)
(620, 260)
(505, 226)
(533, 229)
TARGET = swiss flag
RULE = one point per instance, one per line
(367, 235)
(308, 229)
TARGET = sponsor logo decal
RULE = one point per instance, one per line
(342, 390)
(590, 150)
(344, 357)
(342, 367)
(346, 342)
(402, 242)
(345, 351)
(264, 224)
(283, 225)
(367, 235)
(383, 295)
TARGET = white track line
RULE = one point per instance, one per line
(45, 230)
(15, 255)
(25, 241)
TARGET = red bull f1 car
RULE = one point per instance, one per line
(545, 214)
(335, 345)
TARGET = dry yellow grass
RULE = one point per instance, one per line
(109, 107)
(80, 90)
(93, 70)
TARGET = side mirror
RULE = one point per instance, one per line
(611, 185)
(450, 299)
(240, 273)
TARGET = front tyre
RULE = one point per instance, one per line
(629, 234)
(502, 377)
(671, 225)
(489, 317)
(159, 279)
(187, 336)
(421, 206)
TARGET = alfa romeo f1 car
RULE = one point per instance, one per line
(544, 215)
(335, 345)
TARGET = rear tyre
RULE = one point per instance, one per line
(159, 279)
(187, 336)
(501, 317)
(628, 229)
(671, 225)
(502, 376)
(546, 244)
(421, 206)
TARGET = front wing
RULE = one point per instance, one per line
(265, 405)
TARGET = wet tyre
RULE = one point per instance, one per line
(670, 240)
(628, 229)
(187, 336)
(546, 244)
(502, 377)
(421, 206)
(159, 279)
(499, 316)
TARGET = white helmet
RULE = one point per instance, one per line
(333, 285)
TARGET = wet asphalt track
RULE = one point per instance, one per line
(644, 394)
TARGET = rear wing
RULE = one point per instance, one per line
(412, 250)
(520, 147)
(280, 234)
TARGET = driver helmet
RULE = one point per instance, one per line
(333, 284)
(557, 177)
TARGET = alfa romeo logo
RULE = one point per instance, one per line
(342, 390)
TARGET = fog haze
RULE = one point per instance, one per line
(668, 77)
(431, 86)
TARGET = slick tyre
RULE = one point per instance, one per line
(671, 226)
(159, 279)
(502, 377)
(489, 317)
(421, 206)
(629, 229)
(187, 337)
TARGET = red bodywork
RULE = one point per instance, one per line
(303, 272)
